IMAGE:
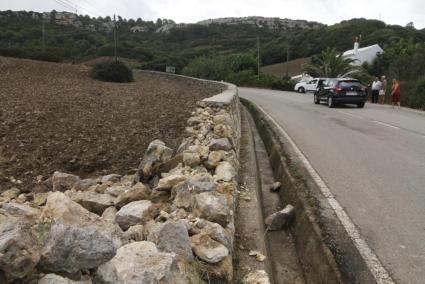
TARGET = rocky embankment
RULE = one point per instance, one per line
(171, 222)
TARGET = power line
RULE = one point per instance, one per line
(81, 8)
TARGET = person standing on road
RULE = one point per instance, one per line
(395, 93)
(383, 91)
(376, 87)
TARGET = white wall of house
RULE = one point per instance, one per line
(364, 54)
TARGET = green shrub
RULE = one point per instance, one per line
(111, 71)
(413, 93)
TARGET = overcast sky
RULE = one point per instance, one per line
(398, 12)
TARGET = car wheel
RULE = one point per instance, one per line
(330, 102)
(360, 105)
(301, 90)
(316, 99)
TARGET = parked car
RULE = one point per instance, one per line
(341, 91)
(310, 85)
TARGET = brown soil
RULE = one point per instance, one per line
(55, 117)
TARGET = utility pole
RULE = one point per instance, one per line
(258, 57)
(43, 36)
(115, 40)
(287, 60)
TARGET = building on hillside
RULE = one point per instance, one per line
(364, 54)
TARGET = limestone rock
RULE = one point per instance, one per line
(172, 237)
(134, 213)
(117, 189)
(84, 184)
(11, 193)
(138, 192)
(110, 178)
(215, 231)
(281, 219)
(135, 233)
(92, 201)
(220, 144)
(183, 198)
(156, 154)
(139, 263)
(63, 181)
(207, 249)
(109, 214)
(212, 207)
(19, 250)
(40, 198)
(21, 210)
(56, 279)
(222, 119)
(191, 159)
(256, 277)
(165, 184)
(222, 130)
(225, 171)
(275, 187)
(214, 158)
(73, 237)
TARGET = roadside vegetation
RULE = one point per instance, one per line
(189, 49)
(111, 71)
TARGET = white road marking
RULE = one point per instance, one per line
(375, 121)
(386, 124)
(374, 264)
(350, 114)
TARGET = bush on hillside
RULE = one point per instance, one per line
(111, 71)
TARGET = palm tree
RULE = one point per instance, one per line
(331, 64)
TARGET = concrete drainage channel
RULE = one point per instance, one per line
(316, 248)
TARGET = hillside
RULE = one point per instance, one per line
(55, 117)
(69, 37)
(293, 67)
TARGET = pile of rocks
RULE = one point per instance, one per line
(171, 222)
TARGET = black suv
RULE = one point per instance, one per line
(341, 91)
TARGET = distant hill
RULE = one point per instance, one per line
(293, 67)
(75, 38)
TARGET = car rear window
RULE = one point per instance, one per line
(345, 84)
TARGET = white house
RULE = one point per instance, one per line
(364, 54)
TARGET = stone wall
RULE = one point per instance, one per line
(172, 221)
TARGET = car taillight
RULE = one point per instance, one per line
(338, 90)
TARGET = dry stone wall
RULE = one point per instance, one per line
(172, 221)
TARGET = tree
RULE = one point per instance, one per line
(331, 64)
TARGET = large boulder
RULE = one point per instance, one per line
(63, 181)
(213, 207)
(172, 237)
(134, 213)
(19, 249)
(138, 192)
(74, 238)
(57, 279)
(207, 249)
(140, 263)
(156, 154)
(92, 201)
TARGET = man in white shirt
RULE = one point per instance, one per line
(376, 87)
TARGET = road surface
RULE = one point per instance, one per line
(373, 161)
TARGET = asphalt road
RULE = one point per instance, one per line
(373, 160)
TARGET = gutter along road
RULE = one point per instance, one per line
(373, 161)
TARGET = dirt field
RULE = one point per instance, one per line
(54, 117)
